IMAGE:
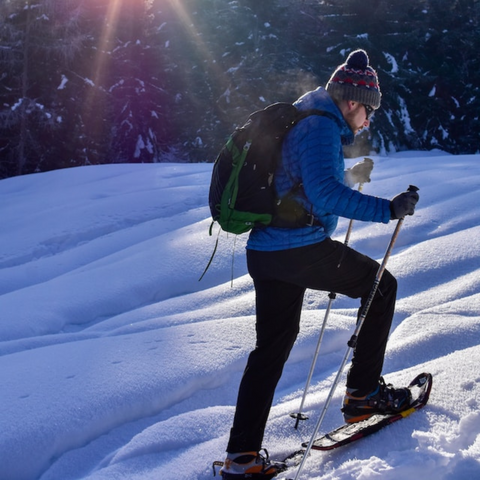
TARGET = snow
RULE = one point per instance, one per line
(116, 362)
(391, 60)
(63, 83)
(405, 116)
(16, 105)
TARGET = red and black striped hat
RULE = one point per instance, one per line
(356, 80)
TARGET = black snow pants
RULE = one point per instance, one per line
(280, 279)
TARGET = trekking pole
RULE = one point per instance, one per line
(332, 295)
(299, 415)
(352, 343)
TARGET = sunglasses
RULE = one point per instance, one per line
(370, 111)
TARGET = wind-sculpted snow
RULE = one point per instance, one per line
(116, 362)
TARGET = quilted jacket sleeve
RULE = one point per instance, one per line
(314, 154)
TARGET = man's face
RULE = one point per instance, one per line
(356, 117)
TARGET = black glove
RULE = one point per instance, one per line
(359, 173)
(403, 204)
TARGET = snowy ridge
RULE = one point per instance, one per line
(116, 362)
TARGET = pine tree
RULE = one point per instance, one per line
(32, 113)
(95, 81)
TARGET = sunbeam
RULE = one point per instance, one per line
(109, 29)
(189, 26)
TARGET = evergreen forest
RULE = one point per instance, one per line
(86, 82)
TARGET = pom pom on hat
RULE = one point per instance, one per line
(358, 60)
(356, 80)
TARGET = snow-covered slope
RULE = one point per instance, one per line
(116, 362)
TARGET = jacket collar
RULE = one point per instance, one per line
(320, 99)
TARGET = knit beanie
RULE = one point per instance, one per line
(356, 80)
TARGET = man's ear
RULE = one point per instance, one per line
(351, 105)
(345, 106)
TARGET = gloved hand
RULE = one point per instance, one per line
(359, 173)
(403, 204)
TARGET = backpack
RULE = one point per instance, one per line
(242, 194)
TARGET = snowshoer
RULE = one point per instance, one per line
(284, 262)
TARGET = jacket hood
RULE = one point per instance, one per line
(320, 99)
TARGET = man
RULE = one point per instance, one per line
(284, 262)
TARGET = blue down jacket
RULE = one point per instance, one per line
(312, 155)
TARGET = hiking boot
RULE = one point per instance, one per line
(383, 400)
(248, 465)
